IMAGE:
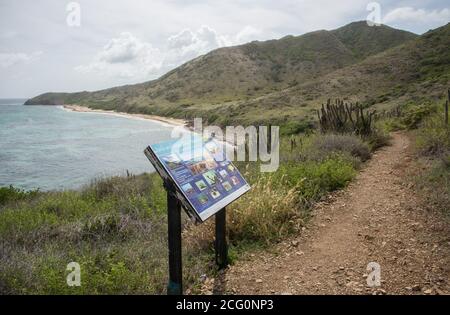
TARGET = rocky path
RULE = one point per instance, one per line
(379, 219)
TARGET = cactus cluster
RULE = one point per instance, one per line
(341, 117)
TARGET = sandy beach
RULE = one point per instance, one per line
(172, 122)
(166, 120)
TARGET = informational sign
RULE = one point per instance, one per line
(205, 180)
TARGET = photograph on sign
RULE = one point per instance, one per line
(204, 178)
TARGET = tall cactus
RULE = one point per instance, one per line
(344, 117)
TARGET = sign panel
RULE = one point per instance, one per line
(204, 179)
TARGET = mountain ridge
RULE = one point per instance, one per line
(230, 79)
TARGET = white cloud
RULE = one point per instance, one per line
(11, 59)
(125, 56)
(248, 34)
(189, 44)
(128, 56)
(409, 14)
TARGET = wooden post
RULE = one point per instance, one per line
(446, 113)
(446, 107)
(221, 240)
(269, 138)
(175, 286)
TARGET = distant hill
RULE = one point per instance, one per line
(415, 71)
(283, 79)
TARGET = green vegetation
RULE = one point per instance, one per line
(11, 194)
(276, 80)
(433, 142)
(426, 123)
(115, 228)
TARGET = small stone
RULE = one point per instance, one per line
(439, 291)
(427, 291)
(258, 281)
(294, 243)
(416, 287)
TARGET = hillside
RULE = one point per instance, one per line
(241, 74)
(414, 71)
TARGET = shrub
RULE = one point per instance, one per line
(265, 214)
(313, 179)
(433, 141)
(378, 139)
(433, 137)
(11, 194)
(331, 143)
(415, 115)
(295, 127)
(434, 183)
(278, 204)
(393, 124)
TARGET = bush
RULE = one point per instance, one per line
(331, 143)
(415, 115)
(12, 194)
(265, 214)
(314, 179)
(433, 137)
(435, 185)
(278, 204)
(378, 139)
(295, 127)
(433, 141)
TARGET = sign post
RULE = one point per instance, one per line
(175, 286)
(221, 240)
(198, 177)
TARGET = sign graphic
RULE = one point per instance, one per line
(205, 180)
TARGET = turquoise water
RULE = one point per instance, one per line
(50, 148)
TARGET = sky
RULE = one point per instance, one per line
(68, 46)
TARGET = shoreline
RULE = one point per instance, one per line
(173, 122)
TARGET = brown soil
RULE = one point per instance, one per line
(377, 218)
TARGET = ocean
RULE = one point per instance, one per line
(51, 148)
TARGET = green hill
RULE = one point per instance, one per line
(282, 79)
(417, 70)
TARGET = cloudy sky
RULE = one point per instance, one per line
(57, 45)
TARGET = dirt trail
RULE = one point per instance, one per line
(378, 218)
